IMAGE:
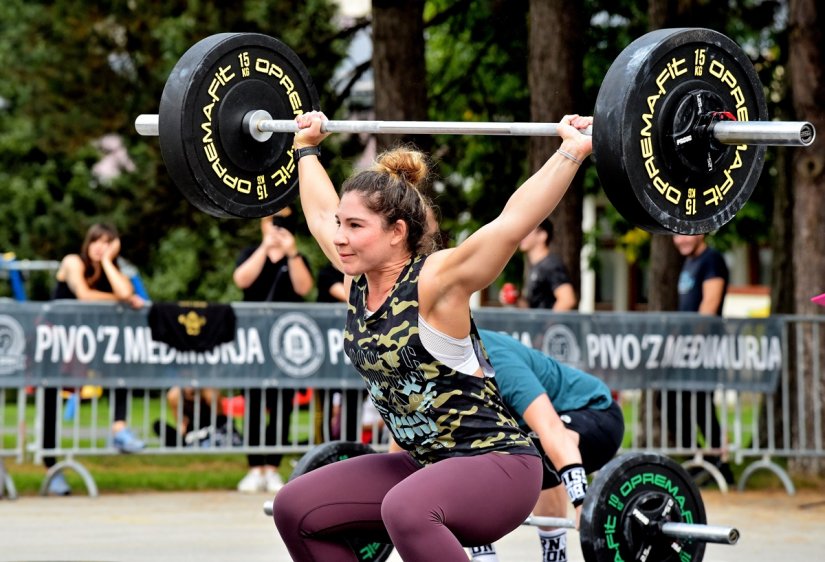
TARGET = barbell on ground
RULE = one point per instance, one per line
(640, 506)
(679, 136)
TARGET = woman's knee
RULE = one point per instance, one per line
(402, 514)
(287, 509)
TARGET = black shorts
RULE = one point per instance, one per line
(600, 436)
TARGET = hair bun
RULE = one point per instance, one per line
(408, 165)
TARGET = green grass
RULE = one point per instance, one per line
(122, 474)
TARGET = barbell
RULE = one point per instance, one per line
(640, 506)
(679, 136)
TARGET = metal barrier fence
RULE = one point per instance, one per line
(762, 376)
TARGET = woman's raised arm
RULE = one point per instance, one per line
(480, 259)
(319, 199)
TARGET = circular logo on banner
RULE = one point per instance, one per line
(561, 344)
(297, 345)
(12, 345)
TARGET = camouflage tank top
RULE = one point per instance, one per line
(433, 411)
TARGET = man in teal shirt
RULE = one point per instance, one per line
(573, 420)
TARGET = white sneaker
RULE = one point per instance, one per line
(252, 483)
(273, 481)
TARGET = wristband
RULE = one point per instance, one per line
(299, 153)
(569, 156)
(575, 481)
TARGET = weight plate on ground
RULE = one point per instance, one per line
(334, 451)
(658, 171)
(220, 168)
(631, 497)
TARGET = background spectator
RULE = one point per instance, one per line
(548, 283)
(93, 275)
(272, 271)
(703, 284)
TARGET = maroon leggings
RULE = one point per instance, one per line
(428, 513)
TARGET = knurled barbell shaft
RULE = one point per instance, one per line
(769, 133)
(688, 531)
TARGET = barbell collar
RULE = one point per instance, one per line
(769, 133)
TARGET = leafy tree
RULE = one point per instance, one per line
(75, 71)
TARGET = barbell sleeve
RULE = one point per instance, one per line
(773, 133)
(146, 125)
(704, 533)
(692, 531)
(769, 133)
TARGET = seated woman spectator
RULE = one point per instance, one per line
(93, 275)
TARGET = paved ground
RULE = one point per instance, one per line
(227, 526)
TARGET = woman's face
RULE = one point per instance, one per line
(362, 242)
(98, 248)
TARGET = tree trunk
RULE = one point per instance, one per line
(400, 77)
(556, 50)
(805, 63)
(665, 261)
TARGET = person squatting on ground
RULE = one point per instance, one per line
(410, 335)
(92, 275)
(272, 271)
(573, 420)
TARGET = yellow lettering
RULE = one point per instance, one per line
(295, 103)
(242, 186)
(651, 103)
(673, 67)
(650, 166)
(737, 161)
(738, 96)
(218, 168)
(699, 58)
(262, 66)
(287, 83)
(213, 88)
(207, 111)
(211, 152)
(276, 71)
(671, 193)
(261, 188)
(648, 120)
(663, 77)
(742, 114)
(223, 75)
(207, 127)
(729, 79)
(647, 147)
